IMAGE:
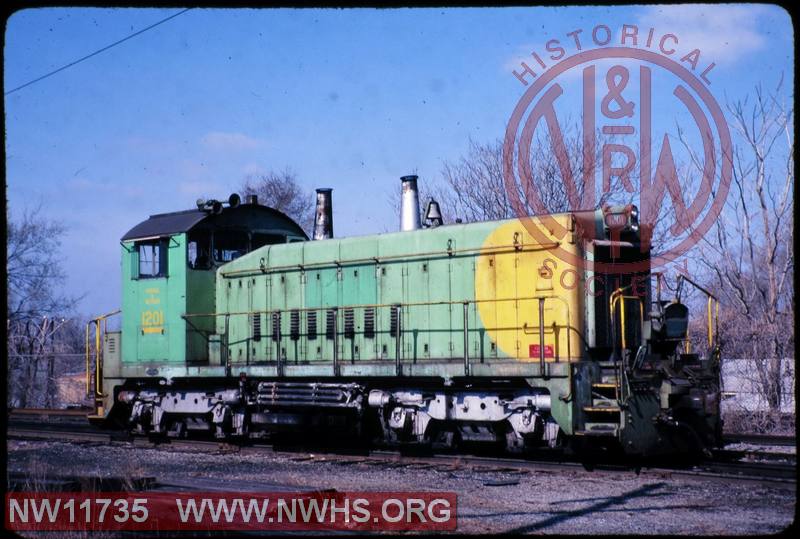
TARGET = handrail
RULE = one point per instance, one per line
(617, 296)
(368, 306)
(100, 324)
(542, 299)
(335, 342)
(712, 330)
(397, 333)
(541, 337)
(398, 341)
(447, 253)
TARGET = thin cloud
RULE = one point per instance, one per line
(253, 169)
(200, 188)
(84, 184)
(723, 33)
(220, 140)
(522, 54)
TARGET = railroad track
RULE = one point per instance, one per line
(49, 412)
(78, 415)
(760, 439)
(725, 466)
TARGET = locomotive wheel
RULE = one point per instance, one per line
(514, 444)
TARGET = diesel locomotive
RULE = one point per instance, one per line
(236, 324)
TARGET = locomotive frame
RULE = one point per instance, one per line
(431, 336)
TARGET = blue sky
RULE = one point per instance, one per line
(349, 99)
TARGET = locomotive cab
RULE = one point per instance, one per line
(169, 264)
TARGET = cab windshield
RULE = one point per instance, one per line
(229, 244)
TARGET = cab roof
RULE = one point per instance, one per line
(254, 216)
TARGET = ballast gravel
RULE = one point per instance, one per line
(543, 501)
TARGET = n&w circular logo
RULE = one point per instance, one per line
(651, 134)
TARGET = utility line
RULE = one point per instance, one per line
(95, 53)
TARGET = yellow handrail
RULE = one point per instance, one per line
(711, 332)
(615, 297)
(100, 324)
(86, 349)
(712, 306)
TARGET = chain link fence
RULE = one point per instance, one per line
(746, 406)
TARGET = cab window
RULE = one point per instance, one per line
(259, 239)
(199, 250)
(152, 257)
(229, 244)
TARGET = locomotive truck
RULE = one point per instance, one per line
(235, 324)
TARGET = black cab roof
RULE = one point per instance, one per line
(251, 216)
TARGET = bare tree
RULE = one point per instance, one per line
(282, 191)
(750, 258)
(37, 307)
(35, 270)
(474, 187)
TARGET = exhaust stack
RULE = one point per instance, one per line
(323, 215)
(409, 204)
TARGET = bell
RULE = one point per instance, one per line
(234, 200)
(433, 214)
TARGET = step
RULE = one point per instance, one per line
(598, 429)
(605, 390)
(608, 364)
(602, 409)
(603, 403)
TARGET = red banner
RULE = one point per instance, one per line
(157, 511)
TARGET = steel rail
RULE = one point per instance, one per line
(760, 439)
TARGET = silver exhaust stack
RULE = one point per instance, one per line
(409, 204)
(323, 216)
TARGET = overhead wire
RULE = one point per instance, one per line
(95, 53)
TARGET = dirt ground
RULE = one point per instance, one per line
(539, 502)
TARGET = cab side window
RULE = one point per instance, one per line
(199, 250)
(152, 258)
